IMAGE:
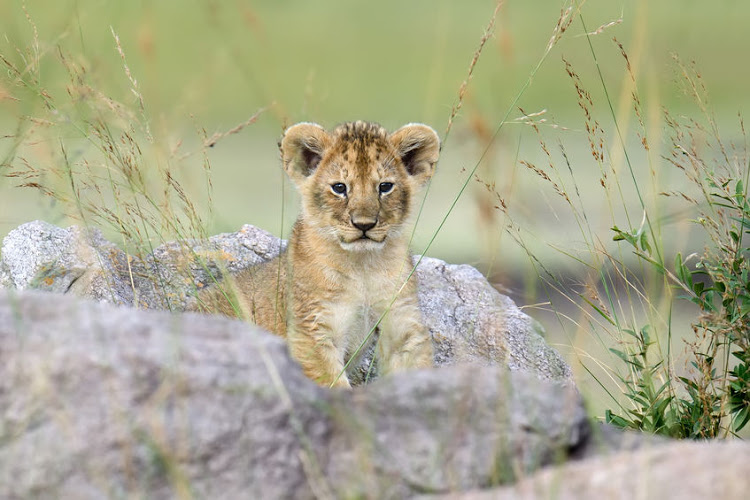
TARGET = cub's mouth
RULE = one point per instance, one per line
(364, 237)
(364, 242)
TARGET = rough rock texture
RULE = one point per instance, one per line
(678, 470)
(5, 281)
(469, 320)
(102, 401)
(39, 255)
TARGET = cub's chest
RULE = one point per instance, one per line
(360, 300)
(366, 288)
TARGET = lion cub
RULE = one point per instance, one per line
(348, 261)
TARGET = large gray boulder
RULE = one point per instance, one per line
(99, 401)
(469, 320)
(674, 471)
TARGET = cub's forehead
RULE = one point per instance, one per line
(360, 131)
(362, 142)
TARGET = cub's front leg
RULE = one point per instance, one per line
(404, 342)
(313, 345)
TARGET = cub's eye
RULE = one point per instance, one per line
(385, 187)
(339, 188)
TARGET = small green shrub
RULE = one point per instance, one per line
(713, 398)
(716, 393)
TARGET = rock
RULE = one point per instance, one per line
(678, 470)
(103, 401)
(98, 401)
(469, 320)
(39, 255)
(448, 429)
(4, 278)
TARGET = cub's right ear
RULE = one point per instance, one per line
(302, 148)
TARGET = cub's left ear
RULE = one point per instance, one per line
(302, 149)
(418, 146)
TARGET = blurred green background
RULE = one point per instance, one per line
(213, 64)
(210, 65)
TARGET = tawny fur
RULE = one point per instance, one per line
(348, 259)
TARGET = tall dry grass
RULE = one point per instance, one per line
(689, 383)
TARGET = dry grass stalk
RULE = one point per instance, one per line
(464, 85)
(134, 84)
(543, 145)
(586, 103)
(216, 137)
(601, 29)
(563, 23)
(637, 108)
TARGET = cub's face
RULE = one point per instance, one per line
(358, 183)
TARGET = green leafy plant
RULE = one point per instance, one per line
(713, 398)
(646, 387)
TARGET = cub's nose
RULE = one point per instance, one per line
(364, 225)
